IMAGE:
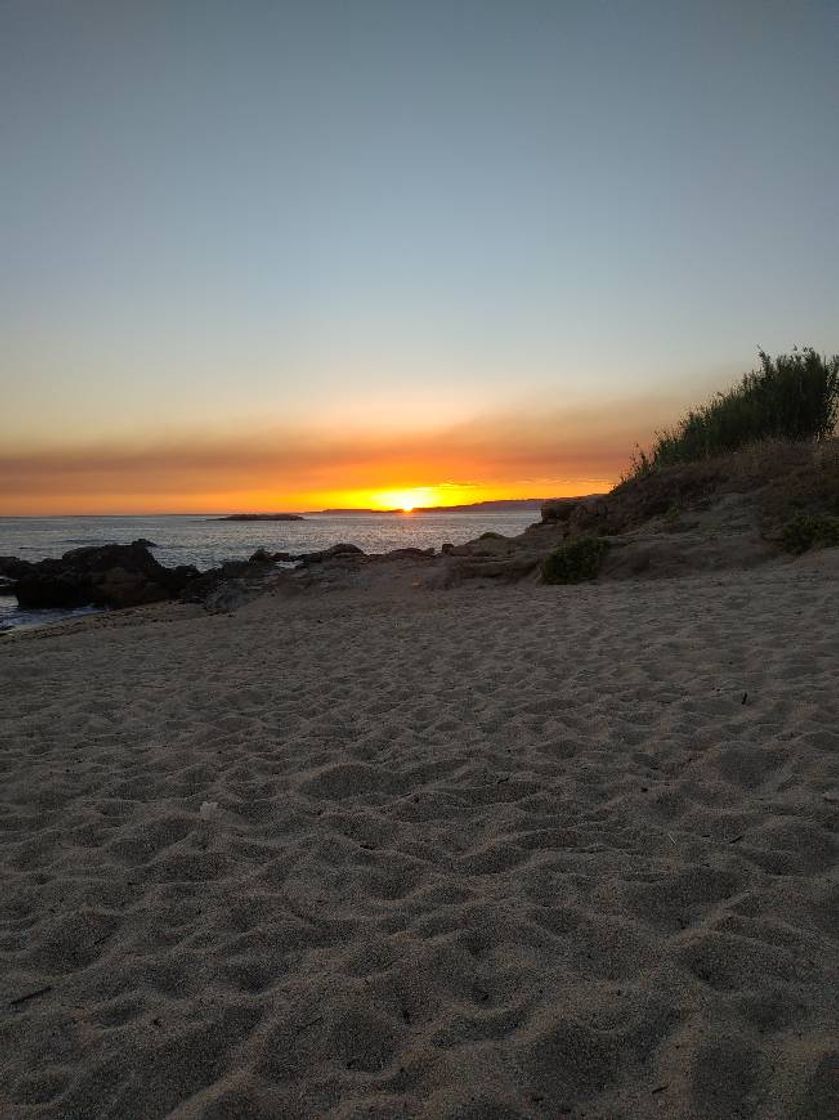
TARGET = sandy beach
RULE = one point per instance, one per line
(479, 853)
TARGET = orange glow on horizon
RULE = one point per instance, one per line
(270, 501)
(301, 471)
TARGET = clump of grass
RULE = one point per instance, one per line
(792, 397)
(810, 531)
(577, 560)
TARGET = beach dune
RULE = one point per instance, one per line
(526, 852)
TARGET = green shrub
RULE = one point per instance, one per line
(792, 397)
(577, 560)
(810, 531)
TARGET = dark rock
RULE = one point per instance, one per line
(207, 583)
(146, 543)
(590, 515)
(454, 570)
(41, 589)
(198, 589)
(13, 568)
(7, 586)
(329, 553)
(181, 576)
(248, 575)
(559, 509)
(263, 556)
(115, 575)
(230, 594)
(488, 544)
(408, 554)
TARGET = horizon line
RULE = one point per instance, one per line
(301, 513)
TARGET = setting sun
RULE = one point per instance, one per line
(407, 500)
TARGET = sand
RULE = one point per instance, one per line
(478, 853)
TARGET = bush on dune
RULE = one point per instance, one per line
(807, 531)
(792, 397)
(577, 560)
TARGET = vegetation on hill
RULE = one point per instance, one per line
(793, 397)
(787, 479)
(807, 531)
(753, 471)
(577, 560)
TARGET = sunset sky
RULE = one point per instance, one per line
(268, 255)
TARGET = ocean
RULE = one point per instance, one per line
(205, 542)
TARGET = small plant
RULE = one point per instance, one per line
(640, 465)
(577, 560)
(810, 531)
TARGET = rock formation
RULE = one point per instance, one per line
(113, 575)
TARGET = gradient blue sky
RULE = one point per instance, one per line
(345, 219)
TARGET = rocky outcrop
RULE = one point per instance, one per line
(489, 544)
(116, 575)
(337, 550)
(253, 571)
(13, 568)
(405, 554)
(456, 569)
(263, 556)
(559, 509)
(127, 575)
(591, 515)
(238, 582)
(231, 594)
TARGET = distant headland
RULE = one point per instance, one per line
(505, 505)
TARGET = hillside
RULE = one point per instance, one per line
(730, 511)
